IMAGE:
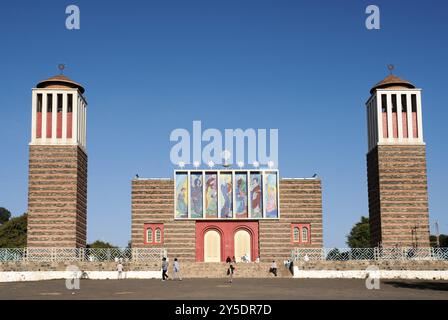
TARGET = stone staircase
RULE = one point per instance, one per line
(219, 270)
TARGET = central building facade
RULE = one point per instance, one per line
(209, 215)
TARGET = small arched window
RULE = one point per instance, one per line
(153, 233)
(296, 234)
(158, 238)
(149, 235)
(305, 234)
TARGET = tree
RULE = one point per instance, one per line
(443, 238)
(5, 215)
(359, 236)
(13, 232)
(98, 244)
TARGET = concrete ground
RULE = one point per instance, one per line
(240, 289)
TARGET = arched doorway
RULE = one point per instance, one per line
(212, 246)
(242, 241)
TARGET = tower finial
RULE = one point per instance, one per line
(61, 67)
(391, 68)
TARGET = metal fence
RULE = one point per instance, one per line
(367, 254)
(82, 254)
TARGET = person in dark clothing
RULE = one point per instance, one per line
(230, 272)
(228, 260)
(164, 269)
(273, 268)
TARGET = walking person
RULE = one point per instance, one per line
(120, 269)
(164, 269)
(273, 268)
(230, 271)
(176, 270)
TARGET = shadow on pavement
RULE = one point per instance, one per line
(425, 285)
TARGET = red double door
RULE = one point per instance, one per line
(217, 240)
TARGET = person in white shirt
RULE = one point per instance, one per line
(176, 270)
(120, 269)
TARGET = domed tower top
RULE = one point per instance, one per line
(59, 112)
(392, 82)
(60, 82)
(394, 113)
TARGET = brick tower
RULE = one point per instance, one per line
(396, 165)
(57, 187)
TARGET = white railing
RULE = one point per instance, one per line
(367, 254)
(81, 254)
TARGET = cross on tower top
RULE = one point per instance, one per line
(391, 68)
(61, 67)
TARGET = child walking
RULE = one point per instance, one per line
(230, 271)
(176, 270)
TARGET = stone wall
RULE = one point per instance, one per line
(153, 202)
(398, 196)
(57, 196)
(301, 203)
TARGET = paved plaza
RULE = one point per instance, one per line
(241, 289)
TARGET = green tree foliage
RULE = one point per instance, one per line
(5, 215)
(13, 233)
(443, 238)
(98, 244)
(359, 236)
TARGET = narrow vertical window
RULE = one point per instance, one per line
(49, 119)
(149, 235)
(394, 103)
(414, 102)
(49, 102)
(404, 103)
(39, 102)
(158, 237)
(69, 103)
(404, 117)
(384, 103)
(39, 116)
(59, 102)
(414, 115)
(385, 116)
(394, 116)
(305, 235)
(296, 234)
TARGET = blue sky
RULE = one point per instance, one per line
(304, 67)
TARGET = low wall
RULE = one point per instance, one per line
(36, 271)
(416, 269)
(83, 266)
(362, 274)
(436, 265)
(14, 276)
